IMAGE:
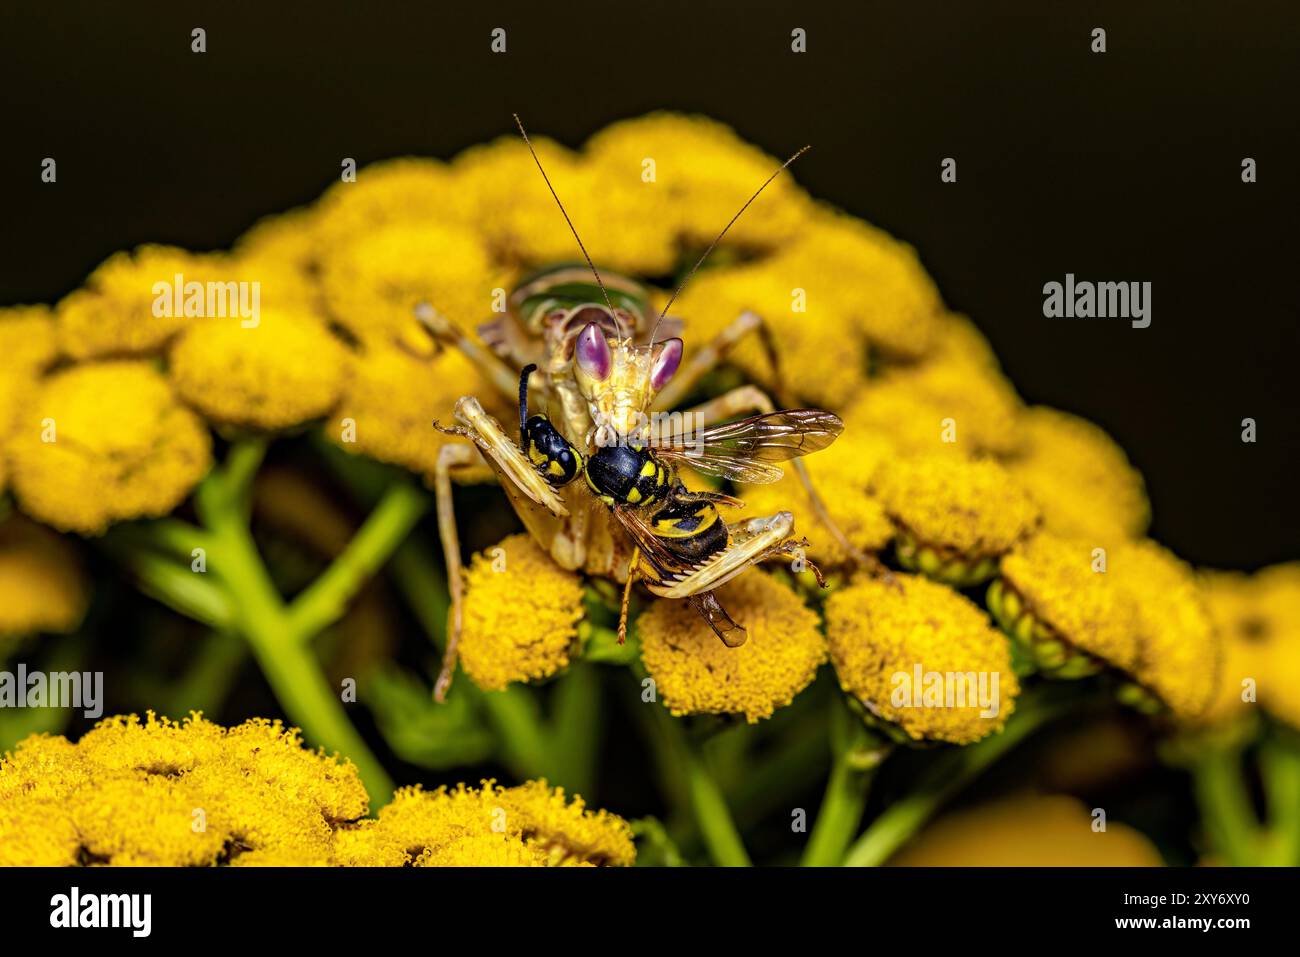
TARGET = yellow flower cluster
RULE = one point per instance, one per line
(1027, 831)
(956, 516)
(1258, 619)
(103, 441)
(28, 345)
(112, 314)
(42, 584)
(917, 655)
(528, 826)
(107, 404)
(391, 399)
(1135, 607)
(840, 475)
(521, 615)
(157, 792)
(287, 370)
(1080, 477)
(1053, 597)
(1181, 654)
(695, 673)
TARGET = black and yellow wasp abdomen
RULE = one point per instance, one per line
(689, 525)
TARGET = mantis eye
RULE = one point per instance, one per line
(667, 357)
(592, 352)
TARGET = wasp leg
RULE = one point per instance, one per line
(723, 625)
(632, 570)
(706, 359)
(752, 541)
(486, 432)
(749, 399)
(446, 333)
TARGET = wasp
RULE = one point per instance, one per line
(595, 472)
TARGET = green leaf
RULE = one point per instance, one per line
(418, 730)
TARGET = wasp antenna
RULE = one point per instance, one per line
(712, 245)
(600, 282)
(523, 396)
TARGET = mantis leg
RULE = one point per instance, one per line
(450, 456)
(512, 467)
(443, 331)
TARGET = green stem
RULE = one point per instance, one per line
(708, 806)
(858, 752)
(289, 667)
(517, 721)
(177, 586)
(1280, 767)
(948, 776)
(326, 600)
(711, 813)
(513, 713)
(1225, 806)
(575, 731)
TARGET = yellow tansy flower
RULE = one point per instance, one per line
(406, 190)
(113, 313)
(1070, 616)
(286, 370)
(521, 614)
(42, 584)
(1180, 649)
(104, 442)
(840, 475)
(883, 635)
(145, 820)
(511, 207)
(1080, 477)
(283, 253)
(944, 404)
(529, 826)
(958, 339)
(165, 793)
(28, 337)
(1258, 618)
(858, 278)
(1027, 831)
(565, 830)
(28, 344)
(391, 400)
(705, 173)
(373, 283)
(37, 832)
(823, 359)
(956, 516)
(695, 673)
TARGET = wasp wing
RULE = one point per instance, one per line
(747, 450)
(652, 547)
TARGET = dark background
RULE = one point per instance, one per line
(1122, 166)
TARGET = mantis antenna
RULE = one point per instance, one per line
(600, 282)
(715, 242)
